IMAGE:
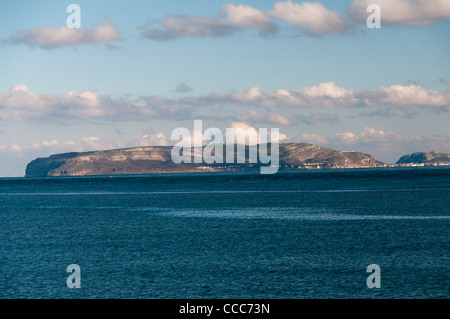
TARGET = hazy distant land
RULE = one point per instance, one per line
(429, 158)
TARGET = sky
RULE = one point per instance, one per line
(136, 70)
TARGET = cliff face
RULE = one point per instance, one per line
(157, 159)
(424, 158)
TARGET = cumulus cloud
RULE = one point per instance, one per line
(325, 94)
(43, 147)
(413, 95)
(404, 101)
(328, 94)
(19, 100)
(346, 137)
(272, 118)
(246, 134)
(403, 12)
(20, 103)
(231, 18)
(236, 132)
(54, 37)
(312, 139)
(367, 136)
(373, 135)
(154, 139)
(85, 144)
(245, 17)
(312, 17)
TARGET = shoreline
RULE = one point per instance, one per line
(208, 172)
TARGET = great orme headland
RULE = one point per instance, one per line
(157, 159)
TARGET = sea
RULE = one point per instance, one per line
(292, 235)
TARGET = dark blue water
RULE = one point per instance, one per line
(306, 234)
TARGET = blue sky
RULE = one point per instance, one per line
(383, 91)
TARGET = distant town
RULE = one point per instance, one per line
(321, 165)
(419, 164)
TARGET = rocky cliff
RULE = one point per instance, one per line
(157, 159)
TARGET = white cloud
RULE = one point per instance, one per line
(231, 18)
(373, 135)
(368, 135)
(327, 90)
(87, 98)
(272, 118)
(158, 139)
(245, 17)
(54, 37)
(89, 139)
(54, 146)
(313, 17)
(15, 148)
(245, 132)
(84, 144)
(20, 103)
(328, 94)
(346, 137)
(398, 95)
(312, 139)
(325, 94)
(403, 12)
(276, 136)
